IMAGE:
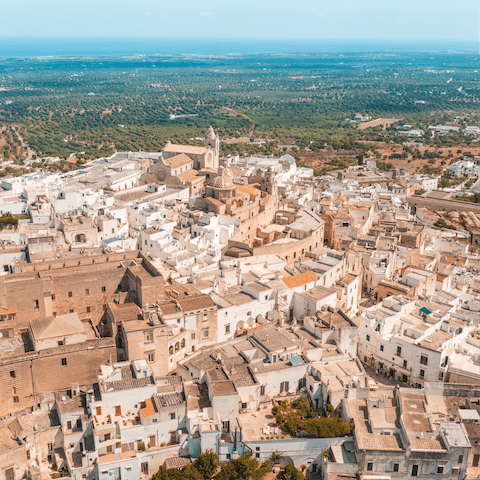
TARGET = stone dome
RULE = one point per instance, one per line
(222, 181)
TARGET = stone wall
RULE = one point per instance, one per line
(25, 377)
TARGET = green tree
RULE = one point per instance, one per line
(444, 182)
(207, 464)
(327, 427)
(291, 473)
(242, 468)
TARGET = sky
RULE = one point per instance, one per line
(295, 19)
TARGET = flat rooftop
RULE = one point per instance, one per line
(260, 425)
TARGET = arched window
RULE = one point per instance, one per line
(177, 347)
(182, 344)
(170, 350)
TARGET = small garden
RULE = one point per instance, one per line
(300, 419)
(245, 467)
(7, 220)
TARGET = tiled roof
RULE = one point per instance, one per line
(196, 303)
(148, 410)
(191, 176)
(250, 189)
(177, 462)
(168, 400)
(192, 149)
(425, 443)
(127, 382)
(52, 327)
(178, 160)
(300, 279)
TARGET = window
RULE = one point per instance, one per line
(382, 348)
(440, 376)
(405, 364)
(284, 387)
(149, 337)
(228, 456)
(64, 362)
(266, 297)
(87, 291)
(104, 289)
(396, 467)
(71, 310)
(424, 360)
(172, 416)
(414, 470)
(460, 459)
(28, 454)
(36, 304)
(70, 294)
(192, 336)
(60, 343)
(146, 243)
(89, 309)
(422, 373)
(455, 471)
(50, 447)
(15, 400)
(244, 406)
(227, 328)
(5, 268)
(399, 354)
(368, 338)
(52, 296)
(205, 333)
(12, 373)
(9, 474)
(440, 469)
(262, 390)
(311, 388)
(151, 357)
(369, 467)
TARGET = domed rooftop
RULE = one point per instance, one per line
(222, 181)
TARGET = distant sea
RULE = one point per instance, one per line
(12, 47)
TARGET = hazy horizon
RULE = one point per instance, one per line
(28, 47)
(410, 20)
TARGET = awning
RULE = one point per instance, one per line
(426, 311)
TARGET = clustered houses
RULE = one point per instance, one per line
(403, 337)
(158, 305)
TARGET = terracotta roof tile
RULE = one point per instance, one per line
(300, 279)
(192, 149)
(148, 410)
(178, 160)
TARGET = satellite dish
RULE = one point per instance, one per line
(64, 399)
